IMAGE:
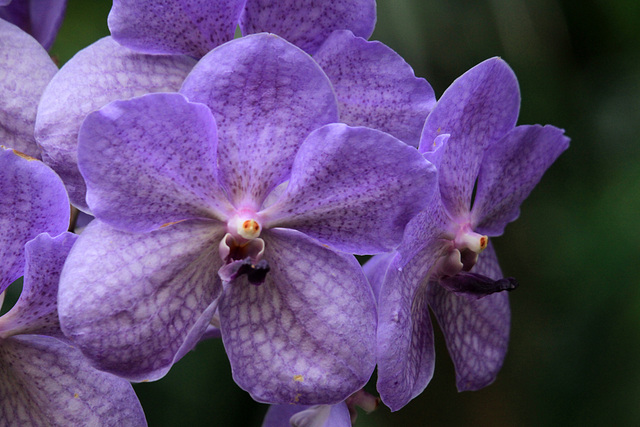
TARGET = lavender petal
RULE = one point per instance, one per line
(476, 331)
(150, 161)
(101, 73)
(36, 310)
(26, 70)
(354, 189)
(189, 27)
(481, 106)
(405, 350)
(308, 23)
(266, 96)
(306, 335)
(131, 301)
(511, 168)
(41, 19)
(375, 86)
(44, 381)
(32, 201)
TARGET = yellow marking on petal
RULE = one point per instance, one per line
(297, 398)
(171, 223)
(76, 395)
(439, 130)
(484, 241)
(144, 381)
(298, 378)
(24, 156)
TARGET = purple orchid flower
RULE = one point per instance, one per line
(26, 70)
(194, 27)
(41, 19)
(100, 73)
(247, 179)
(445, 260)
(43, 379)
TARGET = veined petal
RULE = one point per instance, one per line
(266, 96)
(189, 27)
(26, 70)
(32, 201)
(510, 169)
(44, 381)
(307, 334)
(41, 19)
(131, 300)
(479, 107)
(36, 310)
(375, 86)
(354, 189)
(101, 73)
(308, 23)
(405, 350)
(150, 161)
(476, 331)
(375, 270)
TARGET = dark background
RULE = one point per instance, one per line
(574, 357)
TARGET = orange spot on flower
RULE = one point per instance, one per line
(298, 378)
(24, 156)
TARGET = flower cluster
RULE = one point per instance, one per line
(231, 182)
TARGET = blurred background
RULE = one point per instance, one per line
(574, 357)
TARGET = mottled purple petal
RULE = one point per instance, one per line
(95, 76)
(32, 201)
(189, 27)
(45, 382)
(308, 23)
(26, 70)
(307, 334)
(36, 310)
(375, 269)
(476, 331)
(266, 96)
(149, 161)
(131, 300)
(511, 168)
(41, 19)
(405, 353)
(354, 189)
(375, 86)
(481, 106)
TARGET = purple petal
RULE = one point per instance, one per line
(26, 70)
(131, 301)
(189, 27)
(149, 161)
(480, 107)
(36, 310)
(476, 331)
(44, 381)
(375, 86)
(308, 23)
(307, 334)
(308, 416)
(405, 352)
(375, 270)
(41, 19)
(32, 201)
(95, 76)
(510, 169)
(354, 189)
(266, 96)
